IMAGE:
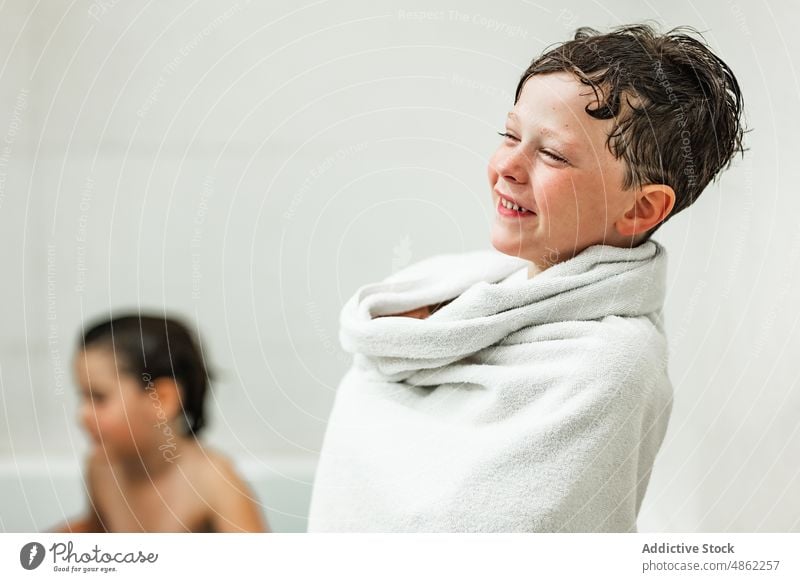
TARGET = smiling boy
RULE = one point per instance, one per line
(527, 390)
(556, 186)
(610, 135)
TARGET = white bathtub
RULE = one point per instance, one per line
(37, 494)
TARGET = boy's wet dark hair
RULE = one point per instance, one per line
(149, 347)
(680, 124)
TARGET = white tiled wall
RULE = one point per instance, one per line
(249, 164)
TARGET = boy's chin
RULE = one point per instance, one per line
(503, 243)
(540, 258)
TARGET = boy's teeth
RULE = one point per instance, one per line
(511, 206)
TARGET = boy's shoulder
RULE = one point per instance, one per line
(631, 353)
(210, 467)
(229, 502)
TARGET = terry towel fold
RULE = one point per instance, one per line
(524, 405)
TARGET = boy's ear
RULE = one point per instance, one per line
(653, 204)
(169, 396)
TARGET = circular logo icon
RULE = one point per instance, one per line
(31, 555)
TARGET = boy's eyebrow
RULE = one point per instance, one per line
(545, 131)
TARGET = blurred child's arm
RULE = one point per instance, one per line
(91, 522)
(234, 507)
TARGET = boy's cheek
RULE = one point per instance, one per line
(117, 427)
(491, 175)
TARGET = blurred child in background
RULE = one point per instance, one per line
(143, 383)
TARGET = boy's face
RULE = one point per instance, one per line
(554, 162)
(115, 411)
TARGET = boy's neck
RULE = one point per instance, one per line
(157, 460)
(533, 269)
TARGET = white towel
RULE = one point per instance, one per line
(524, 405)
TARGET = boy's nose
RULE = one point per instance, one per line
(513, 165)
(87, 417)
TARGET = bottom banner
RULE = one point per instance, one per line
(379, 557)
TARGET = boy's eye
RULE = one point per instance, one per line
(553, 156)
(548, 153)
(506, 135)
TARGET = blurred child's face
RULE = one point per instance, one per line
(116, 410)
(554, 163)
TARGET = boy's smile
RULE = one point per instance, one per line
(554, 163)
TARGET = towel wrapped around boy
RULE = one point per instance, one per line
(523, 405)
